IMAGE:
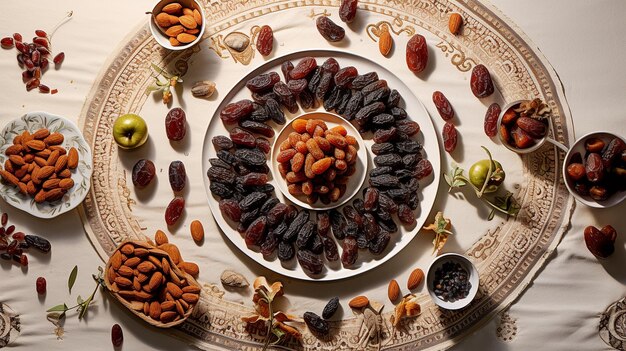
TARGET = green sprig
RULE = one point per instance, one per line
(58, 312)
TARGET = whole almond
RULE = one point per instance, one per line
(29, 158)
(359, 302)
(64, 173)
(197, 231)
(66, 183)
(22, 187)
(17, 160)
(54, 139)
(41, 196)
(132, 262)
(17, 140)
(393, 290)
(184, 303)
(146, 267)
(168, 305)
(116, 260)
(60, 148)
(45, 153)
(10, 178)
(52, 159)
(54, 194)
(173, 8)
(136, 284)
(187, 11)
(37, 145)
(123, 282)
(31, 188)
(165, 265)
(188, 21)
(41, 133)
(192, 31)
(156, 261)
(173, 251)
(127, 249)
(26, 178)
(45, 172)
(155, 281)
(141, 252)
(155, 310)
(162, 19)
(13, 150)
(190, 268)
(173, 31)
(143, 296)
(197, 16)
(160, 238)
(136, 305)
(415, 279)
(41, 162)
(51, 184)
(168, 316)
(146, 308)
(142, 278)
(125, 271)
(385, 41)
(174, 41)
(191, 289)
(190, 298)
(72, 158)
(179, 308)
(8, 166)
(174, 20)
(186, 38)
(454, 23)
(174, 290)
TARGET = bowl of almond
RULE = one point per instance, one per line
(46, 164)
(177, 24)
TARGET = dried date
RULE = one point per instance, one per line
(416, 53)
(221, 175)
(143, 173)
(350, 251)
(443, 106)
(286, 251)
(235, 111)
(174, 210)
(176, 124)
(230, 208)
(274, 111)
(242, 137)
(250, 157)
(316, 324)
(345, 76)
(329, 30)
(265, 40)
(221, 142)
(450, 136)
(361, 81)
(285, 97)
(256, 127)
(480, 81)
(310, 262)
(263, 82)
(256, 231)
(347, 10)
(491, 120)
(286, 68)
(178, 175)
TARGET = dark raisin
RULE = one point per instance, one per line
(329, 30)
(354, 105)
(268, 246)
(331, 307)
(310, 262)
(376, 85)
(296, 86)
(385, 181)
(380, 242)
(230, 208)
(380, 170)
(260, 113)
(338, 223)
(406, 215)
(398, 195)
(333, 100)
(174, 210)
(286, 251)
(256, 231)
(391, 160)
(344, 99)
(38, 243)
(296, 224)
(307, 99)
(368, 111)
(387, 225)
(408, 147)
(221, 190)
(286, 67)
(262, 98)
(251, 157)
(263, 82)
(364, 80)
(305, 235)
(274, 111)
(316, 245)
(394, 99)
(178, 175)
(361, 241)
(249, 217)
(253, 200)
(353, 216)
(325, 85)
(216, 162)
(221, 142)
(350, 251)
(383, 120)
(377, 95)
(280, 230)
(408, 127)
(398, 113)
(285, 96)
(221, 175)
(256, 127)
(316, 324)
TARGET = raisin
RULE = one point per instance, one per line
(296, 224)
(286, 67)
(387, 204)
(263, 145)
(221, 190)
(235, 111)
(310, 262)
(117, 336)
(260, 113)
(268, 245)
(398, 113)
(316, 324)
(350, 251)
(417, 53)
(345, 76)
(303, 68)
(379, 244)
(410, 161)
(252, 179)
(408, 147)
(276, 214)
(174, 210)
(249, 217)
(338, 223)
(280, 230)
(352, 215)
(443, 106)
(330, 249)
(230, 208)
(380, 171)
(256, 231)
(391, 160)
(394, 99)
(354, 105)
(334, 98)
(370, 199)
(331, 65)
(305, 234)
(178, 175)
(594, 168)
(450, 136)
(361, 81)
(253, 200)
(324, 87)
(406, 215)
(262, 98)
(385, 181)
(286, 251)
(263, 82)
(242, 137)
(413, 202)
(176, 124)
(331, 307)
(41, 285)
(251, 157)
(221, 175)
(480, 82)
(345, 97)
(368, 111)
(274, 111)
(256, 127)
(323, 223)
(347, 10)
(377, 95)
(285, 96)
(143, 172)
(221, 142)
(297, 86)
(38, 243)
(398, 195)
(265, 40)
(383, 120)
(491, 119)
(307, 99)
(382, 148)
(329, 30)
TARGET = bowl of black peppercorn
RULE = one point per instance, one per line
(452, 281)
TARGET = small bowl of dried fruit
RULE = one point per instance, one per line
(177, 24)
(452, 281)
(321, 159)
(595, 169)
(523, 126)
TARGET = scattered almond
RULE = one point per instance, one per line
(393, 290)
(454, 23)
(385, 41)
(197, 231)
(359, 302)
(72, 158)
(160, 238)
(415, 279)
(190, 267)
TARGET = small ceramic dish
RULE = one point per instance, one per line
(579, 148)
(135, 303)
(538, 142)
(355, 181)
(159, 33)
(472, 276)
(81, 176)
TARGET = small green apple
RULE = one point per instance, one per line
(130, 131)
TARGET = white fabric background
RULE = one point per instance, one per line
(584, 42)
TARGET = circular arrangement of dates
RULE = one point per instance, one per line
(402, 166)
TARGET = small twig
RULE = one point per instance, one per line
(65, 19)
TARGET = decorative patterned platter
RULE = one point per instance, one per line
(81, 176)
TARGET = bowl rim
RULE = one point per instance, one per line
(587, 200)
(162, 39)
(347, 196)
(474, 277)
(538, 143)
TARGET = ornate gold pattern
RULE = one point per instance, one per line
(508, 257)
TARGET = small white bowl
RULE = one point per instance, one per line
(579, 147)
(163, 39)
(355, 180)
(473, 279)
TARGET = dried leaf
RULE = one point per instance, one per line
(72, 279)
(58, 308)
(441, 227)
(408, 307)
(233, 279)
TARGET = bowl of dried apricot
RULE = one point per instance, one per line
(595, 169)
(322, 160)
(177, 24)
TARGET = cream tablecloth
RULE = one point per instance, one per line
(560, 310)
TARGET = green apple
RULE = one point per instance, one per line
(130, 131)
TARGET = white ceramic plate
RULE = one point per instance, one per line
(427, 192)
(81, 175)
(355, 181)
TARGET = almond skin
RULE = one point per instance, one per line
(415, 279)
(197, 231)
(393, 290)
(72, 158)
(454, 23)
(359, 302)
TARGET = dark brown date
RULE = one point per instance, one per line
(329, 30)
(480, 82)
(594, 168)
(416, 53)
(178, 175)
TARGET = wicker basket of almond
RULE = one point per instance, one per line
(146, 280)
